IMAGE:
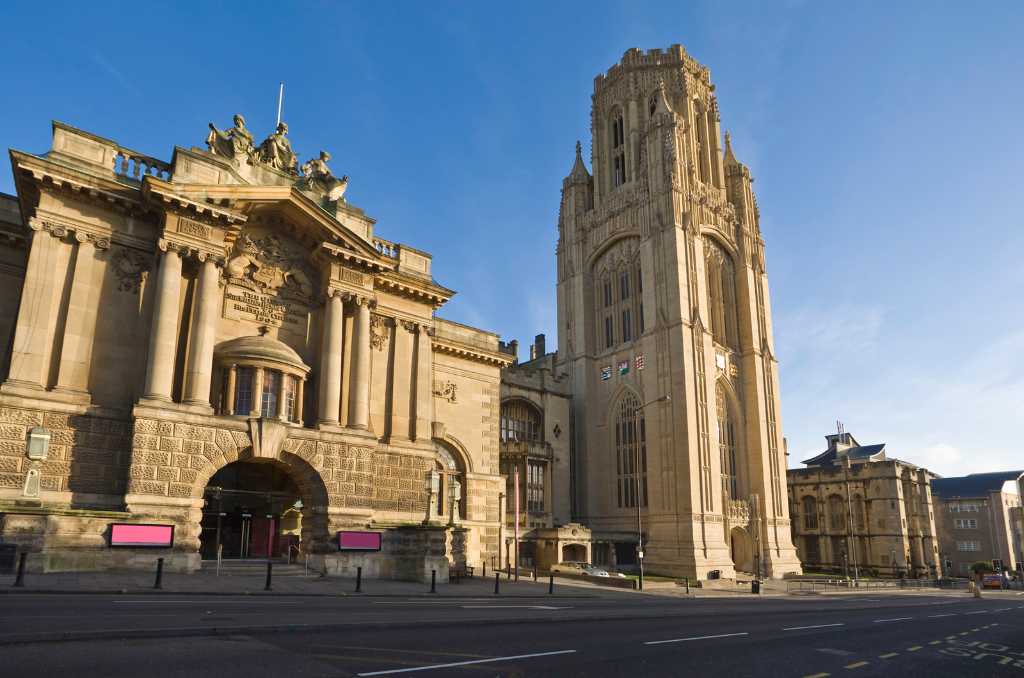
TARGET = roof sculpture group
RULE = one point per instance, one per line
(236, 143)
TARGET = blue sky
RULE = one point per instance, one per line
(885, 139)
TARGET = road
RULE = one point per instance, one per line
(607, 635)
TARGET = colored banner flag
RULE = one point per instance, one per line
(623, 368)
(606, 373)
(639, 361)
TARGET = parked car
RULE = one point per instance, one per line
(595, 572)
(570, 567)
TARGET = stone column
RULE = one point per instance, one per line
(163, 331)
(330, 362)
(361, 378)
(282, 406)
(300, 390)
(257, 392)
(424, 384)
(33, 337)
(229, 397)
(80, 322)
(401, 384)
(204, 335)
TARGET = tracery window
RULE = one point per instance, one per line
(520, 422)
(630, 453)
(810, 510)
(618, 146)
(859, 514)
(727, 444)
(721, 290)
(620, 306)
(536, 470)
(449, 469)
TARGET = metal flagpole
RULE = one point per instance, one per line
(280, 100)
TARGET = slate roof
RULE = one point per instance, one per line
(973, 485)
(857, 453)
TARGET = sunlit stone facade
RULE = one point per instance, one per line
(165, 320)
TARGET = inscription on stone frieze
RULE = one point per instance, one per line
(190, 227)
(263, 309)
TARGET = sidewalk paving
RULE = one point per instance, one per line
(285, 584)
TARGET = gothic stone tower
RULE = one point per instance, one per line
(662, 291)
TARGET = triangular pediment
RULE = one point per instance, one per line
(348, 233)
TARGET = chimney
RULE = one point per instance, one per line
(514, 345)
(538, 343)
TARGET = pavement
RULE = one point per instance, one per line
(465, 630)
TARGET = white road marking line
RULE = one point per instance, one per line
(682, 640)
(978, 612)
(933, 616)
(516, 607)
(1002, 609)
(816, 626)
(466, 663)
(878, 621)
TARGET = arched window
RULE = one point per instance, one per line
(630, 453)
(721, 290)
(619, 303)
(836, 515)
(521, 422)
(810, 510)
(450, 470)
(617, 139)
(727, 444)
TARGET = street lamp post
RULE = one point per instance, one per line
(636, 473)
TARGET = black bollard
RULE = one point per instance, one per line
(159, 583)
(687, 580)
(359, 580)
(534, 573)
(270, 569)
(497, 582)
(20, 579)
(485, 569)
(551, 584)
(433, 581)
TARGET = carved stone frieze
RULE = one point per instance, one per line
(131, 268)
(446, 390)
(379, 331)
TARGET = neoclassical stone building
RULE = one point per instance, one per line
(665, 332)
(223, 344)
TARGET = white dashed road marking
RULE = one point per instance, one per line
(816, 626)
(682, 640)
(466, 663)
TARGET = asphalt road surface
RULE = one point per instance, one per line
(608, 635)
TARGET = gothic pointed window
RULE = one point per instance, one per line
(720, 276)
(836, 515)
(630, 453)
(727, 445)
(618, 149)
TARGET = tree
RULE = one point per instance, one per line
(982, 567)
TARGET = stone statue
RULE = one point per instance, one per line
(456, 499)
(318, 177)
(276, 151)
(231, 143)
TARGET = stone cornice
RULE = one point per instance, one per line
(47, 174)
(164, 194)
(414, 288)
(444, 345)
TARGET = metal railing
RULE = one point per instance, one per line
(811, 585)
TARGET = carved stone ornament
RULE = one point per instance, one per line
(378, 331)
(317, 176)
(131, 269)
(270, 263)
(276, 151)
(234, 143)
(445, 390)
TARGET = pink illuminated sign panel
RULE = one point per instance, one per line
(125, 534)
(359, 541)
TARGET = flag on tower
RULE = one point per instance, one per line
(623, 368)
(606, 373)
(639, 361)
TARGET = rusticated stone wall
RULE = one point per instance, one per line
(87, 457)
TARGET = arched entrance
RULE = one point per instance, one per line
(251, 509)
(741, 550)
(574, 553)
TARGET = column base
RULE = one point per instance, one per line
(71, 395)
